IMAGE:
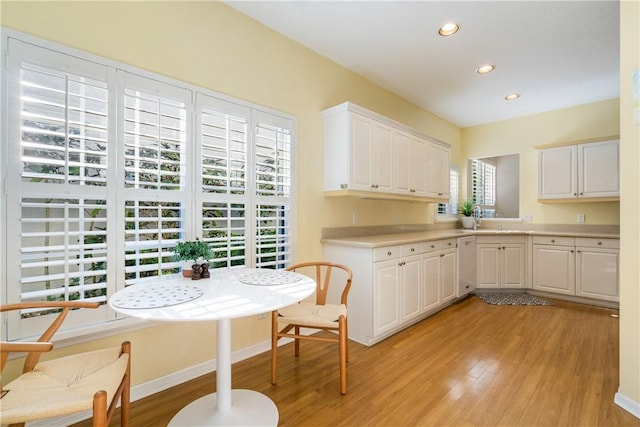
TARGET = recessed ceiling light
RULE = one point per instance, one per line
(485, 69)
(512, 96)
(448, 29)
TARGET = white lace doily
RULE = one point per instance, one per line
(162, 295)
(270, 278)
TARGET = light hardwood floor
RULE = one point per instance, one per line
(472, 364)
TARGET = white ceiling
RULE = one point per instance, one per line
(555, 54)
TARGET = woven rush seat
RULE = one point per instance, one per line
(307, 314)
(63, 386)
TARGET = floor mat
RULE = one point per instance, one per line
(504, 298)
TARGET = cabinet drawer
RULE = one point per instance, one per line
(501, 239)
(413, 249)
(553, 240)
(387, 252)
(439, 245)
(591, 242)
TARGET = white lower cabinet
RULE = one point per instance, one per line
(501, 262)
(584, 267)
(394, 286)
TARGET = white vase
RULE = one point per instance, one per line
(468, 222)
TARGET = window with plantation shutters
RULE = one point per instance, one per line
(109, 167)
(483, 186)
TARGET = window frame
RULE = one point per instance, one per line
(193, 217)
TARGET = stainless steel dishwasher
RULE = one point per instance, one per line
(466, 265)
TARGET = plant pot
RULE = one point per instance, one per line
(186, 273)
(468, 222)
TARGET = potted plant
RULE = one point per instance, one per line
(466, 210)
(193, 251)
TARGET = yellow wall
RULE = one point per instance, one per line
(521, 135)
(630, 204)
(211, 45)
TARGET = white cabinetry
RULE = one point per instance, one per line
(367, 152)
(501, 262)
(584, 267)
(410, 164)
(554, 264)
(395, 286)
(439, 269)
(437, 171)
(581, 171)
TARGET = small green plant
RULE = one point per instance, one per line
(192, 250)
(466, 208)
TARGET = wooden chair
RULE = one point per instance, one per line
(321, 316)
(94, 380)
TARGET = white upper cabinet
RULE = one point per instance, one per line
(367, 152)
(580, 171)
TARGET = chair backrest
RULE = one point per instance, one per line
(323, 271)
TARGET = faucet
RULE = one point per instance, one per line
(477, 211)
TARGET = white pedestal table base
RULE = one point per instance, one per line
(248, 408)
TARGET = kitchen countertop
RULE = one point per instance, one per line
(378, 240)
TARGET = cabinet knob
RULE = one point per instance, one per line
(581, 193)
(441, 255)
(574, 194)
(433, 246)
(553, 240)
(413, 250)
(412, 191)
(449, 243)
(572, 251)
(599, 243)
(466, 287)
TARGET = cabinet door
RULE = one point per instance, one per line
(488, 266)
(411, 284)
(599, 169)
(557, 173)
(447, 275)
(431, 281)
(513, 266)
(382, 173)
(386, 296)
(597, 273)
(445, 181)
(402, 162)
(418, 167)
(554, 269)
(362, 152)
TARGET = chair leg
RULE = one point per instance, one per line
(274, 345)
(297, 342)
(100, 409)
(342, 332)
(125, 397)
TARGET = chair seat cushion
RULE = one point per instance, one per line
(63, 386)
(308, 314)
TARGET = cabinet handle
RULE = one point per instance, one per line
(412, 191)
(441, 255)
(433, 246)
(466, 287)
(599, 243)
(504, 247)
(401, 263)
(413, 250)
(581, 193)
(389, 253)
(576, 251)
(574, 194)
(553, 240)
(449, 243)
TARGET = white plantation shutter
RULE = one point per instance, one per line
(483, 175)
(108, 167)
(154, 126)
(451, 208)
(273, 178)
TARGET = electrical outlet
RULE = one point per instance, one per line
(580, 218)
(527, 218)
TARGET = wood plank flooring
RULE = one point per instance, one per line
(472, 364)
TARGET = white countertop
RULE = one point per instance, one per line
(379, 240)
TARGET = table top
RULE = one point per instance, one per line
(228, 294)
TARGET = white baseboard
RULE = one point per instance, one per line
(143, 390)
(629, 405)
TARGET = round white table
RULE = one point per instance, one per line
(226, 295)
